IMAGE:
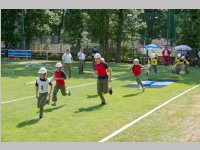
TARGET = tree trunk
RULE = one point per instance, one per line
(119, 34)
(78, 43)
(60, 26)
(106, 37)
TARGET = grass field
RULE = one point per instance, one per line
(81, 118)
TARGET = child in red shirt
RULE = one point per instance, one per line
(101, 69)
(59, 76)
(136, 70)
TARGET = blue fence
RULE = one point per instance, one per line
(20, 53)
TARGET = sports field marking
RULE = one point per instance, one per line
(28, 97)
(146, 115)
(18, 99)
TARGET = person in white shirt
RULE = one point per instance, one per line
(81, 57)
(42, 94)
(67, 61)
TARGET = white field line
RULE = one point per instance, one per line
(28, 97)
(146, 115)
(18, 99)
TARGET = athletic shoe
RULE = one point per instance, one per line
(103, 103)
(68, 92)
(40, 117)
(139, 87)
(53, 104)
(110, 91)
(143, 89)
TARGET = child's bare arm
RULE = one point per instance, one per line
(51, 87)
(130, 67)
(37, 96)
(93, 74)
(142, 67)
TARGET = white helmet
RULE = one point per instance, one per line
(58, 64)
(179, 55)
(102, 59)
(183, 57)
(136, 60)
(97, 55)
(42, 70)
(153, 55)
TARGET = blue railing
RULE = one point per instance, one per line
(19, 53)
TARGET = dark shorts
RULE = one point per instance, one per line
(42, 99)
(102, 86)
(56, 89)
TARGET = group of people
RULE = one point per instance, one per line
(179, 63)
(67, 60)
(101, 70)
(43, 92)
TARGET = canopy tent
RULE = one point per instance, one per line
(152, 48)
(183, 49)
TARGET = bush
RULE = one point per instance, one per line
(124, 53)
(55, 56)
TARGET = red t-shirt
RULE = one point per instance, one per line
(59, 74)
(136, 70)
(166, 53)
(101, 70)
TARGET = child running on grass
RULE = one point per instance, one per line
(136, 70)
(154, 63)
(101, 69)
(59, 76)
(42, 94)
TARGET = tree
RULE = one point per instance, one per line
(99, 28)
(9, 24)
(74, 26)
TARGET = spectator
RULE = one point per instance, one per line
(81, 57)
(67, 61)
(166, 55)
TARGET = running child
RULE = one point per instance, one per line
(101, 69)
(59, 76)
(178, 63)
(42, 94)
(154, 63)
(136, 70)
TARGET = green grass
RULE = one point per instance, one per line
(80, 118)
(178, 121)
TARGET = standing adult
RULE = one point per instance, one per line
(81, 57)
(67, 61)
(166, 55)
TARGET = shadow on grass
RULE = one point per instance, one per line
(54, 108)
(27, 123)
(91, 108)
(92, 96)
(130, 95)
